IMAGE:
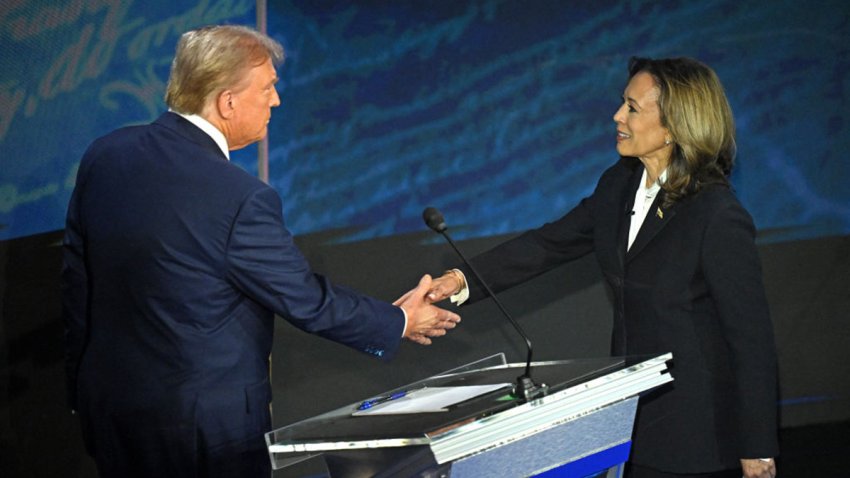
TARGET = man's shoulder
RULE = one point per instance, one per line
(167, 126)
(120, 135)
(112, 145)
(167, 150)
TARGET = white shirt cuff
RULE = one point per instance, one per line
(463, 294)
(405, 321)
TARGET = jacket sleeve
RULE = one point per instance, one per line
(733, 272)
(540, 250)
(74, 291)
(265, 263)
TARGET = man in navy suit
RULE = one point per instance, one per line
(175, 264)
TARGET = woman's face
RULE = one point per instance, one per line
(639, 130)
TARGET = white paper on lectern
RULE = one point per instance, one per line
(430, 399)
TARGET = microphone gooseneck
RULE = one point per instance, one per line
(525, 387)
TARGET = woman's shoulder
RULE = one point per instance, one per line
(715, 195)
(626, 164)
(715, 201)
(624, 168)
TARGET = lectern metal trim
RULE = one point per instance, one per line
(546, 412)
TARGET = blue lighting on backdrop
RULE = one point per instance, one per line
(73, 71)
(496, 112)
(499, 112)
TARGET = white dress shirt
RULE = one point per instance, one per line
(209, 129)
(643, 200)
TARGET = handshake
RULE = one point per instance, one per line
(424, 319)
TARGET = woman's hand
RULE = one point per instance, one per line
(758, 468)
(445, 286)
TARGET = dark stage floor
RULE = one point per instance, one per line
(815, 451)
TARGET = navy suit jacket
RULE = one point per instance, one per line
(175, 264)
(690, 284)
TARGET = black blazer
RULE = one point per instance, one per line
(691, 285)
(175, 264)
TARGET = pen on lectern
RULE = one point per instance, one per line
(378, 400)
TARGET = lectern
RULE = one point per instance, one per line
(581, 427)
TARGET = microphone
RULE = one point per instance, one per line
(525, 388)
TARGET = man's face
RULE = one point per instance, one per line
(252, 106)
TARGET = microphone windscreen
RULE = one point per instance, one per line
(434, 219)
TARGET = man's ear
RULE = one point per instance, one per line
(224, 104)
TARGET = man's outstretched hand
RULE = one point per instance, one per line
(424, 320)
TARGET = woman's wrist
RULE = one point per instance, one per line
(460, 283)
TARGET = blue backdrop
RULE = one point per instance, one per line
(75, 70)
(500, 112)
(497, 112)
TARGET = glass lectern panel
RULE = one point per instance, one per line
(344, 429)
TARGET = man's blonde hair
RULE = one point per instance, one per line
(212, 59)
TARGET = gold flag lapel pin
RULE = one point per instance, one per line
(659, 213)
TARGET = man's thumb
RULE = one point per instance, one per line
(424, 285)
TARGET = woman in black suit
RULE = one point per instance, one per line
(678, 250)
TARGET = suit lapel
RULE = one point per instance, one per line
(626, 218)
(656, 219)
